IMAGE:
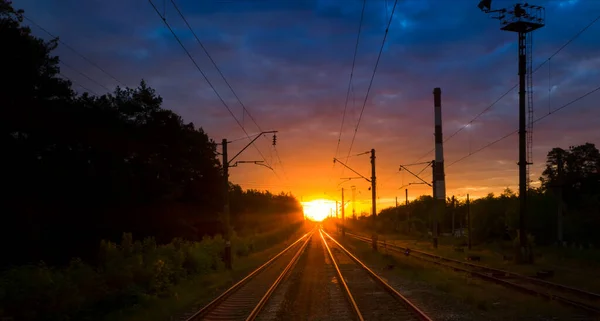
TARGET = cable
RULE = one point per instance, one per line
(207, 80)
(244, 109)
(214, 63)
(280, 163)
(362, 14)
(78, 84)
(372, 76)
(242, 138)
(73, 50)
(84, 75)
(516, 85)
(568, 104)
(359, 154)
(424, 168)
(535, 121)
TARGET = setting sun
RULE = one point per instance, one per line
(318, 210)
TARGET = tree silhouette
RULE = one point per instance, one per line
(81, 168)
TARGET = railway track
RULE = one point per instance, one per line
(569, 296)
(245, 299)
(370, 297)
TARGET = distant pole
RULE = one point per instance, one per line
(397, 212)
(353, 202)
(374, 200)
(343, 215)
(469, 219)
(407, 210)
(559, 218)
(227, 256)
(438, 169)
(336, 209)
(453, 210)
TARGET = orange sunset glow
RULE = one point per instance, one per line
(296, 81)
(319, 209)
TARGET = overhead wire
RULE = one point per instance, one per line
(78, 84)
(73, 50)
(516, 85)
(84, 75)
(206, 79)
(373, 76)
(362, 14)
(244, 108)
(242, 138)
(515, 131)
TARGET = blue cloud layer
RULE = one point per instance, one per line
(289, 62)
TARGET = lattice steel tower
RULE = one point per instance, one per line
(522, 19)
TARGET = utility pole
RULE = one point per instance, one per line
(336, 209)
(343, 215)
(397, 213)
(405, 167)
(469, 220)
(559, 218)
(373, 192)
(353, 202)
(522, 19)
(374, 200)
(227, 258)
(407, 210)
(226, 223)
(453, 210)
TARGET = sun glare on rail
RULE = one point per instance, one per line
(318, 210)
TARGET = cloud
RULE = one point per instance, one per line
(289, 62)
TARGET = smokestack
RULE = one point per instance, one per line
(439, 185)
(438, 175)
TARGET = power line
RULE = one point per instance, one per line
(214, 63)
(373, 76)
(222, 76)
(516, 85)
(78, 84)
(535, 121)
(362, 13)
(207, 80)
(242, 138)
(280, 162)
(73, 50)
(84, 75)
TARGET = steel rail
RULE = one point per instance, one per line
(515, 286)
(402, 299)
(288, 268)
(342, 281)
(214, 303)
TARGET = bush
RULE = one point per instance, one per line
(128, 274)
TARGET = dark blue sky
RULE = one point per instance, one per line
(289, 62)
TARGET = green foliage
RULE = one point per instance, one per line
(128, 274)
(257, 211)
(496, 218)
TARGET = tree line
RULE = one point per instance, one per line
(79, 168)
(570, 185)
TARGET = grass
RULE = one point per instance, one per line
(491, 300)
(200, 290)
(572, 267)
